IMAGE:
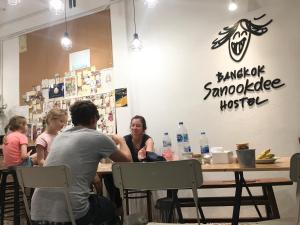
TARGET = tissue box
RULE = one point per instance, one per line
(222, 157)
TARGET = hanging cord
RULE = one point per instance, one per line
(133, 1)
(66, 16)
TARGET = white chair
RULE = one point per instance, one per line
(185, 174)
(295, 177)
(46, 177)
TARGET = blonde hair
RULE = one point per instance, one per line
(55, 114)
(16, 123)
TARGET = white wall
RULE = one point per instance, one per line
(176, 61)
(10, 78)
(120, 59)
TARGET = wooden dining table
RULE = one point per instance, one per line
(281, 164)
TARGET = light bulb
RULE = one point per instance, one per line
(232, 6)
(151, 3)
(66, 42)
(13, 2)
(136, 43)
(57, 6)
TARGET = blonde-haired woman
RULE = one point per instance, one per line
(55, 121)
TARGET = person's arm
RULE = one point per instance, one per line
(4, 139)
(147, 148)
(40, 154)
(122, 154)
(24, 153)
(149, 145)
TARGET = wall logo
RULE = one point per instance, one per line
(239, 35)
(244, 86)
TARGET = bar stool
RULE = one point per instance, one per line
(134, 194)
(9, 196)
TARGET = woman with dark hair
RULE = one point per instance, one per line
(138, 142)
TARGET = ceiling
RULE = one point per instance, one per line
(31, 15)
(27, 8)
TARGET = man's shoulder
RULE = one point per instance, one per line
(85, 133)
(81, 130)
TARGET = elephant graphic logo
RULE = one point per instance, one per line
(239, 36)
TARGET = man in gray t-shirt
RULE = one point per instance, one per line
(81, 148)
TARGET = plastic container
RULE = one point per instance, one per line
(167, 151)
(183, 145)
(204, 147)
(167, 140)
(246, 158)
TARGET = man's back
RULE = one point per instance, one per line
(81, 149)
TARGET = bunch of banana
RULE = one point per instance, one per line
(265, 154)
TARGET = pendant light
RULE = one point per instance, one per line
(13, 2)
(56, 6)
(232, 5)
(65, 41)
(136, 44)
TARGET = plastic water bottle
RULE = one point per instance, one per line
(167, 153)
(167, 140)
(204, 147)
(183, 140)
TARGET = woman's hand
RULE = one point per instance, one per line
(142, 153)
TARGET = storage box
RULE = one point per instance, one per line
(222, 157)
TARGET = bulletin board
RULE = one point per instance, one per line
(43, 60)
(89, 84)
(44, 57)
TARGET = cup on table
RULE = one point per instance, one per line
(246, 158)
(105, 160)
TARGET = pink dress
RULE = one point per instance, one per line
(12, 148)
(45, 140)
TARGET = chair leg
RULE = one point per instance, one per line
(176, 203)
(298, 199)
(149, 205)
(201, 212)
(16, 201)
(298, 216)
(127, 202)
(2, 197)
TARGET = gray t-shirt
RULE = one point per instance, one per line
(81, 149)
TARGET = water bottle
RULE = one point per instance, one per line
(204, 147)
(167, 141)
(167, 153)
(183, 140)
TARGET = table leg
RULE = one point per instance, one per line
(238, 196)
(250, 194)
